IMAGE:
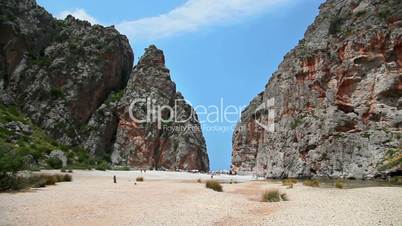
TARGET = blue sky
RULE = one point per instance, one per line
(215, 49)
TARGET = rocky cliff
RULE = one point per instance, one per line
(337, 99)
(171, 138)
(59, 71)
(68, 77)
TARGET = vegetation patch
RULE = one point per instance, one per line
(339, 184)
(274, 196)
(365, 135)
(12, 182)
(41, 61)
(384, 13)
(103, 166)
(55, 163)
(139, 179)
(121, 168)
(336, 25)
(311, 183)
(289, 182)
(396, 180)
(297, 122)
(56, 93)
(214, 185)
(30, 151)
(393, 158)
(116, 96)
(36, 144)
(361, 13)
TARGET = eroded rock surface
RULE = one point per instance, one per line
(338, 99)
(68, 77)
(176, 144)
(59, 71)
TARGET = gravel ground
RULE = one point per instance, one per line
(167, 198)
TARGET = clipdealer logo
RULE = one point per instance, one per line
(211, 118)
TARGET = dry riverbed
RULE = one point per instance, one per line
(169, 198)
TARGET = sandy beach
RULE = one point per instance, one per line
(170, 198)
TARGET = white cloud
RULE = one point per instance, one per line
(193, 15)
(79, 14)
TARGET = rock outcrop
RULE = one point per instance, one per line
(168, 139)
(68, 77)
(337, 99)
(59, 71)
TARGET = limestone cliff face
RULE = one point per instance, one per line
(68, 77)
(59, 71)
(174, 144)
(338, 99)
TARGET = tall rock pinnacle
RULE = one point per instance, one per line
(148, 142)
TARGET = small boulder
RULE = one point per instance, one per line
(59, 155)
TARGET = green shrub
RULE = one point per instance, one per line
(311, 183)
(41, 61)
(121, 168)
(116, 96)
(67, 178)
(289, 182)
(50, 180)
(12, 183)
(10, 163)
(139, 179)
(56, 93)
(335, 26)
(70, 171)
(58, 177)
(393, 158)
(361, 13)
(84, 160)
(271, 196)
(102, 165)
(38, 181)
(42, 180)
(384, 14)
(54, 163)
(365, 135)
(297, 122)
(339, 184)
(63, 170)
(214, 185)
(396, 180)
(34, 168)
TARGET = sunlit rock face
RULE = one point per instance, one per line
(177, 144)
(338, 99)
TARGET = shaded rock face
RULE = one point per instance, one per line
(338, 99)
(176, 144)
(61, 71)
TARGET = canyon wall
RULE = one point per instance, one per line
(337, 100)
(68, 77)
